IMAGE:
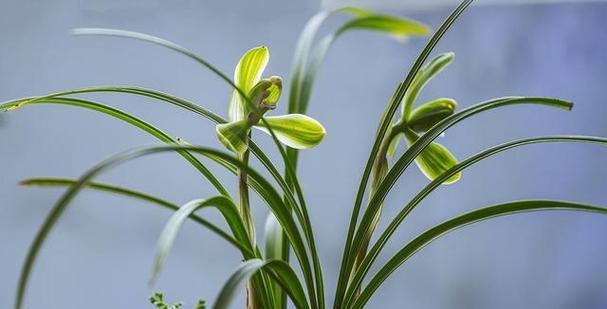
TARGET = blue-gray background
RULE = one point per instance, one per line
(99, 255)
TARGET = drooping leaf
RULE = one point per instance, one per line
(228, 210)
(233, 135)
(296, 130)
(121, 191)
(272, 197)
(246, 75)
(430, 113)
(118, 114)
(398, 28)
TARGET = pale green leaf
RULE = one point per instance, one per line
(247, 74)
(398, 28)
(233, 135)
(434, 160)
(356, 11)
(296, 130)
(430, 113)
(273, 237)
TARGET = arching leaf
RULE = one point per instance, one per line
(280, 271)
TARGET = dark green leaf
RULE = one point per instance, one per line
(448, 226)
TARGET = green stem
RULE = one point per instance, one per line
(252, 301)
(380, 169)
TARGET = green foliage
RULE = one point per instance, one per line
(158, 301)
(268, 275)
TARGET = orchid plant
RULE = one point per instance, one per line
(268, 271)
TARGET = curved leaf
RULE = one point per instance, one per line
(398, 219)
(228, 210)
(116, 113)
(66, 182)
(281, 271)
(448, 226)
(266, 162)
(430, 113)
(398, 28)
(384, 125)
(296, 130)
(409, 156)
(274, 202)
(434, 160)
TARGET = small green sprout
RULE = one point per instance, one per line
(158, 300)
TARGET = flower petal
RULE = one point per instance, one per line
(427, 72)
(233, 135)
(430, 113)
(247, 74)
(434, 160)
(295, 130)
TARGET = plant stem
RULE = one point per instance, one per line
(380, 169)
(252, 302)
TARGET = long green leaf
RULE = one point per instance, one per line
(301, 213)
(413, 152)
(399, 218)
(347, 258)
(66, 182)
(143, 125)
(281, 271)
(289, 167)
(275, 204)
(228, 210)
(472, 217)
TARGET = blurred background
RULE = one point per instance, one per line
(100, 254)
